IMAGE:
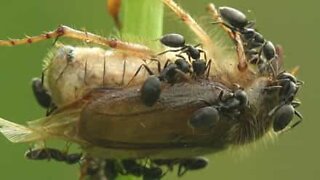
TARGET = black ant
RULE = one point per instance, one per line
(288, 87)
(148, 173)
(50, 153)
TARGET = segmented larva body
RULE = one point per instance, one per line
(71, 72)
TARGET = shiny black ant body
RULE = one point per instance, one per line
(234, 19)
(42, 96)
(50, 153)
(284, 115)
(40, 93)
(130, 166)
(205, 117)
(288, 87)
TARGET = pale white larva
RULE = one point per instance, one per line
(71, 72)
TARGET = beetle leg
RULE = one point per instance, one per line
(66, 31)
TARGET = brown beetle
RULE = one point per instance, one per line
(115, 123)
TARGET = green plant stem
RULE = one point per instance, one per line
(142, 20)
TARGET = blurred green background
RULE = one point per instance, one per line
(293, 24)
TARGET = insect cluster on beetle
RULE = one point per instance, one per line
(187, 102)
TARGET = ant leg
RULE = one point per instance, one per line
(201, 51)
(84, 167)
(299, 82)
(208, 68)
(166, 64)
(272, 111)
(185, 50)
(183, 75)
(189, 21)
(136, 73)
(181, 170)
(170, 50)
(220, 97)
(279, 60)
(271, 67)
(295, 104)
(297, 113)
(80, 35)
(158, 64)
(218, 20)
(299, 121)
(242, 65)
(296, 123)
(182, 57)
(204, 53)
